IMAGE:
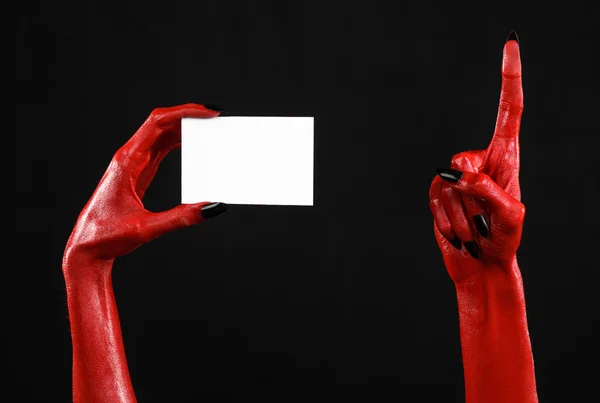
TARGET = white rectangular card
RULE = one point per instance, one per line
(247, 160)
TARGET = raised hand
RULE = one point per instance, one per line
(478, 221)
(478, 216)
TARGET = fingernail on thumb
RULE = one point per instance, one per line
(449, 174)
(213, 210)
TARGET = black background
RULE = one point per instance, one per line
(346, 301)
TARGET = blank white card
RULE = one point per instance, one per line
(247, 160)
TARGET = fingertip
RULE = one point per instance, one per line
(189, 110)
(192, 110)
(215, 108)
(201, 111)
(198, 206)
(211, 210)
(511, 63)
(450, 175)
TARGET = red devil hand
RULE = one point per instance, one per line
(476, 204)
(478, 220)
(114, 222)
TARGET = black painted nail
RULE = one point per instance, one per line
(216, 108)
(456, 243)
(481, 225)
(213, 210)
(512, 37)
(449, 174)
(473, 249)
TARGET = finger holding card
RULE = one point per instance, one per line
(160, 133)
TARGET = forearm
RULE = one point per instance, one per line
(100, 372)
(496, 348)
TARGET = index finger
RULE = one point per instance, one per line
(172, 114)
(510, 109)
(162, 129)
(159, 134)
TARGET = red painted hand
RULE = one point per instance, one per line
(478, 215)
(113, 223)
(478, 221)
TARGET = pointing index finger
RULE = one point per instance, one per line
(502, 155)
(511, 96)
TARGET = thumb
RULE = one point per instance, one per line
(509, 211)
(184, 215)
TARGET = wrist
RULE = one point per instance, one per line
(495, 342)
(492, 276)
(81, 267)
(494, 294)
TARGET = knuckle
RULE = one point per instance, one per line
(462, 229)
(447, 193)
(511, 106)
(157, 114)
(433, 187)
(519, 211)
(446, 189)
(435, 202)
(460, 159)
(480, 182)
(514, 215)
(157, 111)
(122, 158)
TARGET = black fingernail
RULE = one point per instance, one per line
(449, 174)
(213, 210)
(456, 243)
(473, 249)
(481, 225)
(216, 108)
(512, 37)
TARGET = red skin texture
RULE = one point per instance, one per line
(496, 349)
(495, 342)
(113, 223)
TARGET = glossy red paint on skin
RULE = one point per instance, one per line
(497, 355)
(113, 223)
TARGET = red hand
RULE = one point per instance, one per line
(478, 221)
(113, 223)
(453, 210)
